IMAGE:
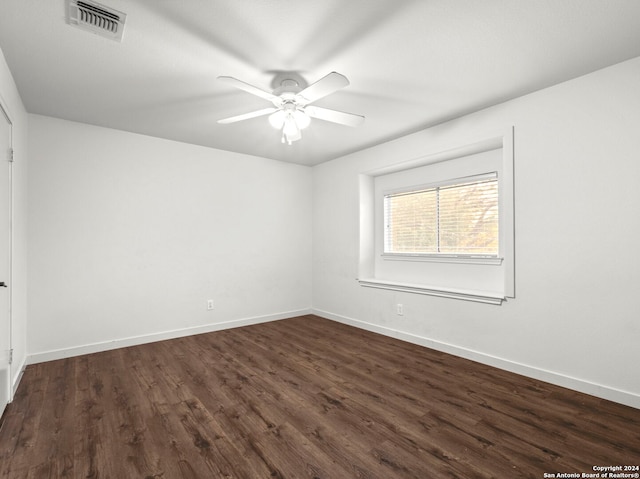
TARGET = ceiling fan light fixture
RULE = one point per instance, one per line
(276, 120)
(290, 120)
(290, 130)
(302, 119)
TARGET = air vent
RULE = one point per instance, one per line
(96, 18)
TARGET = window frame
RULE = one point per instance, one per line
(441, 151)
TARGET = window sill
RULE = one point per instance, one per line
(460, 259)
(487, 297)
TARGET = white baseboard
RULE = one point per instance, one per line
(17, 378)
(153, 337)
(598, 390)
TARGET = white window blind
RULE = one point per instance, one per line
(459, 217)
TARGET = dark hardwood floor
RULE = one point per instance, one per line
(301, 398)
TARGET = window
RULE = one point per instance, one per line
(442, 224)
(457, 218)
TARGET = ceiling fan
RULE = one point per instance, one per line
(292, 110)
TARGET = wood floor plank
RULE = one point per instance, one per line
(17, 461)
(301, 398)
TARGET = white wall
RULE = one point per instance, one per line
(10, 99)
(129, 236)
(575, 320)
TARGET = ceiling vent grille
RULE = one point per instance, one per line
(96, 18)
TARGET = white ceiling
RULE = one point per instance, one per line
(411, 63)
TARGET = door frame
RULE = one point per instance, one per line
(4, 111)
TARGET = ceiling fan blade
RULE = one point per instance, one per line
(246, 116)
(323, 87)
(254, 90)
(334, 116)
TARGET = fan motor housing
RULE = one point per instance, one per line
(288, 82)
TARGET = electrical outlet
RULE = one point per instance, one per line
(210, 304)
(399, 309)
